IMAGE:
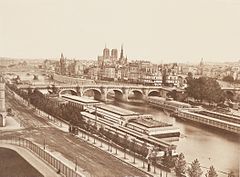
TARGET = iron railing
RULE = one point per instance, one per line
(42, 154)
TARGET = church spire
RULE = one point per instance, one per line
(121, 54)
(62, 57)
(201, 63)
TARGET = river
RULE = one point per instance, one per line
(210, 147)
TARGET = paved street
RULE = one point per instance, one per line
(91, 160)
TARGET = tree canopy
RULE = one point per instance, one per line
(180, 165)
(205, 88)
(231, 174)
(195, 170)
(228, 79)
(212, 172)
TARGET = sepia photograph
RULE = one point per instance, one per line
(119, 88)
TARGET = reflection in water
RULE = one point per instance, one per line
(211, 147)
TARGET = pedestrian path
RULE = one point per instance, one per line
(124, 157)
(11, 124)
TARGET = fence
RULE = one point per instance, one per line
(60, 167)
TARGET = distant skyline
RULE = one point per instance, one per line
(155, 30)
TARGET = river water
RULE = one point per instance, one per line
(210, 147)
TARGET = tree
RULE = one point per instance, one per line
(173, 94)
(116, 137)
(195, 170)
(17, 79)
(168, 161)
(205, 88)
(51, 78)
(78, 90)
(29, 92)
(231, 174)
(212, 172)
(125, 144)
(212, 91)
(35, 77)
(143, 149)
(189, 78)
(54, 89)
(101, 130)
(228, 79)
(180, 165)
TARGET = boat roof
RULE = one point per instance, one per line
(150, 123)
(117, 110)
(79, 99)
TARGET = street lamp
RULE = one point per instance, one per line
(160, 173)
(134, 141)
(110, 141)
(149, 159)
(116, 133)
(88, 137)
(76, 164)
(95, 113)
(44, 144)
(94, 140)
(125, 145)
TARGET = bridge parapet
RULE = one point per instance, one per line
(231, 88)
(101, 90)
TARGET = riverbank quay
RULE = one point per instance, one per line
(213, 119)
(185, 111)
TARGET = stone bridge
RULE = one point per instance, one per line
(121, 92)
(233, 93)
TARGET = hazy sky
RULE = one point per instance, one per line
(157, 30)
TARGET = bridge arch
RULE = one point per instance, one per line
(135, 94)
(229, 94)
(154, 93)
(118, 93)
(68, 91)
(92, 92)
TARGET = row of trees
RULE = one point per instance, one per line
(230, 79)
(194, 170)
(205, 89)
